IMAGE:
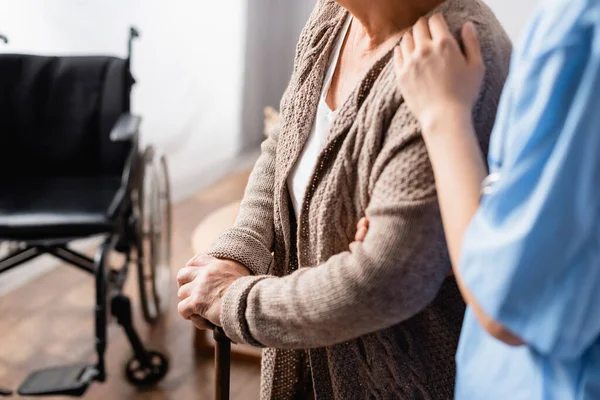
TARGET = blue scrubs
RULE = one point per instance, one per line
(531, 256)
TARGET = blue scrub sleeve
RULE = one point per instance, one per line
(531, 254)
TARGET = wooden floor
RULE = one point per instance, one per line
(49, 322)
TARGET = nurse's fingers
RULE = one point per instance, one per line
(407, 45)
(398, 60)
(421, 32)
(471, 43)
(439, 28)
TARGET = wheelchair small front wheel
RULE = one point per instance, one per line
(143, 376)
(154, 236)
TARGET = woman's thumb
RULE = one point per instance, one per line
(471, 43)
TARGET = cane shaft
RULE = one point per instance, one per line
(222, 364)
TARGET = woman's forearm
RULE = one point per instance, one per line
(459, 170)
(375, 285)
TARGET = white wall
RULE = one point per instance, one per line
(188, 64)
(513, 14)
(273, 29)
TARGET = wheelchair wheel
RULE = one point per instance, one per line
(154, 235)
(141, 377)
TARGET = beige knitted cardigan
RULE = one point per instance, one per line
(380, 319)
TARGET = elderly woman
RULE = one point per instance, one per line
(342, 320)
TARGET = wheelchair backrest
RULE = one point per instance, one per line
(56, 114)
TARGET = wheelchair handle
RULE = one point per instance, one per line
(133, 34)
(3, 39)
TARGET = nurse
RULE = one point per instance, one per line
(526, 249)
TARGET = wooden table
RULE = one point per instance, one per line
(203, 237)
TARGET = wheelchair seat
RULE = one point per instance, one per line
(51, 208)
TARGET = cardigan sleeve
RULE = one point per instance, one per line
(250, 241)
(394, 274)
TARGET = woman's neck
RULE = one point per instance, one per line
(382, 19)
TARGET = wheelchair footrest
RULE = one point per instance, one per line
(70, 380)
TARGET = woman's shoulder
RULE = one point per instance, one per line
(325, 9)
(325, 15)
(319, 30)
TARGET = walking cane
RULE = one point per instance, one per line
(222, 364)
(4, 392)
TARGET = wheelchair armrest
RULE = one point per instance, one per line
(127, 180)
(126, 128)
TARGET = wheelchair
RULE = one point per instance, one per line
(71, 167)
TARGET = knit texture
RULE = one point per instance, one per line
(373, 320)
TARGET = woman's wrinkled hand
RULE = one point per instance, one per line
(202, 284)
(436, 79)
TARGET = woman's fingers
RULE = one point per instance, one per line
(186, 308)
(362, 228)
(360, 235)
(186, 275)
(201, 323)
(363, 223)
(185, 291)
(471, 43)
(200, 260)
(421, 32)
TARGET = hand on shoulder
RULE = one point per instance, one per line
(437, 80)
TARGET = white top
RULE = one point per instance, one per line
(303, 170)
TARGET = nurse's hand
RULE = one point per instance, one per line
(436, 79)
